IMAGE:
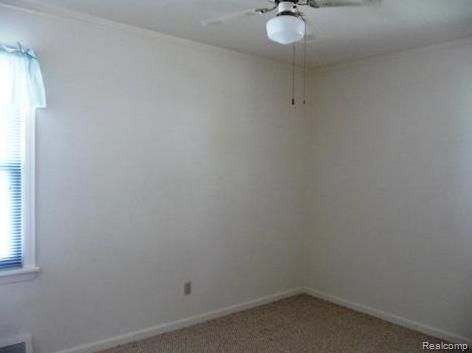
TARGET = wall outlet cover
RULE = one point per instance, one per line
(187, 288)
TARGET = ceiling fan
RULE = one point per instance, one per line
(289, 24)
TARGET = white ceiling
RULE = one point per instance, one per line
(342, 34)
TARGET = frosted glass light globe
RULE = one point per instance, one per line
(285, 29)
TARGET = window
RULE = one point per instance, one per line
(21, 92)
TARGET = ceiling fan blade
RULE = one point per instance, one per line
(236, 15)
(228, 17)
(340, 3)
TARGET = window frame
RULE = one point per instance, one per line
(29, 268)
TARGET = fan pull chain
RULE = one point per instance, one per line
(293, 75)
(304, 67)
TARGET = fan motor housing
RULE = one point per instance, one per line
(286, 8)
(312, 3)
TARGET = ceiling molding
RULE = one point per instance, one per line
(369, 60)
(342, 38)
(34, 6)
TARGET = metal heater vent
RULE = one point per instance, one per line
(14, 348)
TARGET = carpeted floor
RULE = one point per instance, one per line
(301, 324)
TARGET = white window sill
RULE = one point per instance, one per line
(18, 275)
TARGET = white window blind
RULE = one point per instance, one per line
(12, 142)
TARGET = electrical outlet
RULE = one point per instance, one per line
(187, 288)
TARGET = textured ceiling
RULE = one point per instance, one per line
(342, 34)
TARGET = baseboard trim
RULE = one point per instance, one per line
(395, 319)
(175, 325)
(214, 314)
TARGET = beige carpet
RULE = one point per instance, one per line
(300, 324)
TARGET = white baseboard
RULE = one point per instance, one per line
(192, 320)
(175, 325)
(395, 319)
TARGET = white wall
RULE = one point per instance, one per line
(159, 160)
(389, 185)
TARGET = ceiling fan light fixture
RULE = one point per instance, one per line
(285, 29)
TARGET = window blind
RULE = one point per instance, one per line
(11, 186)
